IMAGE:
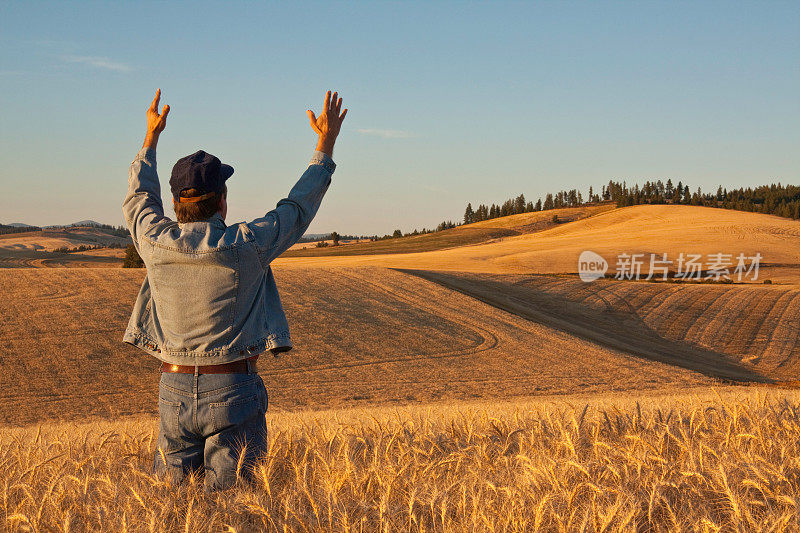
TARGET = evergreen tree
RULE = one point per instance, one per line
(469, 215)
(132, 259)
(519, 204)
(572, 198)
(777, 199)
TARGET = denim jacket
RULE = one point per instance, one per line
(209, 296)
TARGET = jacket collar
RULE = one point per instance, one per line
(217, 221)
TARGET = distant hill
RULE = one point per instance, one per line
(80, 223)
(17, 227)
(87, 223)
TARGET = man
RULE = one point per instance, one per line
(209, 305)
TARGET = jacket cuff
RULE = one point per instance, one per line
(147, 153)
(320, 158)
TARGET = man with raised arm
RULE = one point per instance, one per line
(209, 304)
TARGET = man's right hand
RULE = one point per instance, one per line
(329, 122)
(155, 122)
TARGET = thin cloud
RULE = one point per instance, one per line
(99, 62)
(386, 134)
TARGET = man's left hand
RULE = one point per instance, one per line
(155, 122)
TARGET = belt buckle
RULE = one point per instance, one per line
(167, 367)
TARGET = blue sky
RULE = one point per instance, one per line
(449, 102)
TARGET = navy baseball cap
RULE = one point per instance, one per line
(201, 171)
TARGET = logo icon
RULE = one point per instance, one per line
(591, 266)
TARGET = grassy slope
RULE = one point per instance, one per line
(639, 229)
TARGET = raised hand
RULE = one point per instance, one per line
(329, 122)
(155, 122)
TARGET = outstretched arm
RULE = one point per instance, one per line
(280, 228)
(142, 207)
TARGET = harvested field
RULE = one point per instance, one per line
(44, 248)
(48, 240)
(362, 337)
(99, 258)
(737, 332)
(562, 336)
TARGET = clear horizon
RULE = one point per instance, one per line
(449, 103)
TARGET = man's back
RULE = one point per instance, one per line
(209, 304)
(209, 295)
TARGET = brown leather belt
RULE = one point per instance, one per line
(236, 367)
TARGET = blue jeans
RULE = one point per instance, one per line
(207, 423)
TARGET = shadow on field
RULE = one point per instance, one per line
(610, 327)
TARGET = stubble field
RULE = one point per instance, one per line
(363, 336)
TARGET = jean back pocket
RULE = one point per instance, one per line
(237, 411)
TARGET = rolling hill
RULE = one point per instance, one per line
(45, 247)
(468, 234)
(645, 229)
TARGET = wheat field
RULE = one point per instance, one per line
(476, 388)
(708, 460)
